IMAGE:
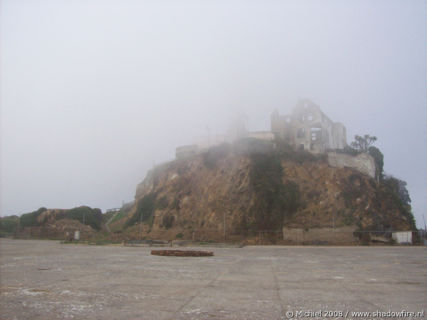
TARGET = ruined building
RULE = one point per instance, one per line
(308, 128)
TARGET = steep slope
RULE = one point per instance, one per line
(247, 193)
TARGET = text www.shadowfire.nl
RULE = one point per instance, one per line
(353, 314)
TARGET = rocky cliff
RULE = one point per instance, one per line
(234, 193)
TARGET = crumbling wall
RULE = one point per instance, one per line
(308, 128)
(363, 162)
(261, 135)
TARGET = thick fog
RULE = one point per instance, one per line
(94, 93)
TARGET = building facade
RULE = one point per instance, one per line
(308, 128)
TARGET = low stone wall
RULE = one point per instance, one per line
(262, 135)
(320, 235)
(363, 162)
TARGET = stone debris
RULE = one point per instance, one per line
(182, 253)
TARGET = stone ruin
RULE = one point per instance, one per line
(308, 128)
(305, 128)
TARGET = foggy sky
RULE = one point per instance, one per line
(94, 93)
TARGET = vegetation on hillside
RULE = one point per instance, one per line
(8, 225)
(215, 153)
(273, 199)
(85, 215)
(375, 153)
(399, 195)
(30, 219)
(288, 153)
(144, 210)
(363, 143)
(391, 193)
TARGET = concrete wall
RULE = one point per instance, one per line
(261, 135)
(363, 162)
(403, 237)
(322, 235)
(340, 136)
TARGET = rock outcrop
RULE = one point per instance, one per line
(226, 194)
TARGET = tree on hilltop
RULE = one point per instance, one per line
(363, 143)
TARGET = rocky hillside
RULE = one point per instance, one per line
(54, 223)
(237, 193)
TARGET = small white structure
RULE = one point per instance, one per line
(261, 135)
(402, 237)
(77, 235)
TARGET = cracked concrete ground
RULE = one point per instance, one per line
(43, 279)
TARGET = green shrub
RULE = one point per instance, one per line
(378, 156)
(119, 215)
(211, 157)
(144, 210)
(274, 200)
(179, 236)
(8, 224)
(395, 191)
(30, 219)
(108, 215)
(85, 215)
(123, 212)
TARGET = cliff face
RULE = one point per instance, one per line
(197, 197)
